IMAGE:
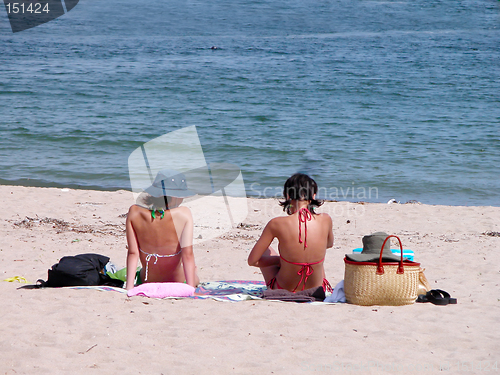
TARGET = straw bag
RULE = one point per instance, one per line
(379, 283)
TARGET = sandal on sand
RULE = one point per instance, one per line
(437, 297)
(446, 296)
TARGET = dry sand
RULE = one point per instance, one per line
(88, 331)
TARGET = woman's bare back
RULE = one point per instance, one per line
(159, 242)
(310, 249)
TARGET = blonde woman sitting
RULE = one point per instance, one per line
(161, 236)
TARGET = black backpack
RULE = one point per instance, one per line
(80, 270)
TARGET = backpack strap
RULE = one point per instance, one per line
(40, 284)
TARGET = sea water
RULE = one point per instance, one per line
(375, 99)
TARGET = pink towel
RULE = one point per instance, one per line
(162, 290)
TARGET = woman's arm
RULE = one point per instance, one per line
(133, 251)
(187, 254)
(258, 257)
(329, 242)
(189, 265)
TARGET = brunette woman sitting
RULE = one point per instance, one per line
(303, 238)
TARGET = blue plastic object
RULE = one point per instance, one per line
(407, 254)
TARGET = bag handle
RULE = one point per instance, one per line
(380, 267)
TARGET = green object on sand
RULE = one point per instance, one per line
(121, 274)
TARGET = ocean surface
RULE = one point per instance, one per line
(375, 99)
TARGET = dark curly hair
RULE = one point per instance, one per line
(300, 187)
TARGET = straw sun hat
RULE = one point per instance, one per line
(372, 244)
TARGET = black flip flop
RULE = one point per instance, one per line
(445, 295)
(422, 298)
(437, 297)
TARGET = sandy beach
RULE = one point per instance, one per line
(89, 331)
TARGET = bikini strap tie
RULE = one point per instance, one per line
(326, 286)
(304, 217)
(148, 257)
(305, 271)
(304, 274)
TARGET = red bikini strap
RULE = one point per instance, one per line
(305, 271)
(304, 216)
(326, 286)
(303, 264)
(304, 274)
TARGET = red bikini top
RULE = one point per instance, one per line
(306, 270)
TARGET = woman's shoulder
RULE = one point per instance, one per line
(281, 223)
(276, 222)
(323, 217)
(279, 219)
(135, 209)
(181, 211)
(136, 212)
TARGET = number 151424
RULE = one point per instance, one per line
(27, 8)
